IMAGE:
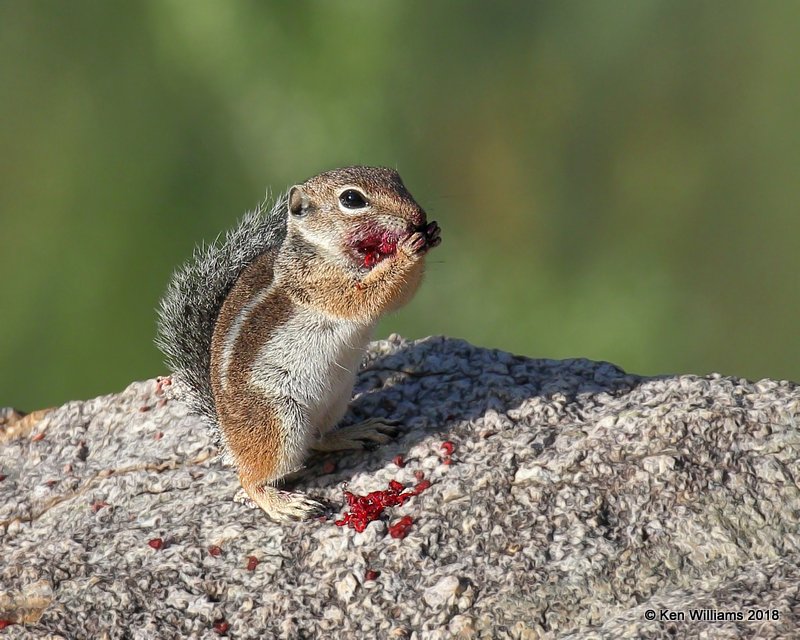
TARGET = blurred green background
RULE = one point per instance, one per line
(615, 180)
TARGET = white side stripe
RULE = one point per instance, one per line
(233, 333)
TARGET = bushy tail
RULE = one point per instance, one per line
(189, 309)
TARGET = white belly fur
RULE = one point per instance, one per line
(312, 359)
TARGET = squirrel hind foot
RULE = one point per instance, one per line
(364, 435)
(280, 506)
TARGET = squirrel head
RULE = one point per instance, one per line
(355, 215)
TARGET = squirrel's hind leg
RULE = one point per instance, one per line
(267, 440)
(364, 435)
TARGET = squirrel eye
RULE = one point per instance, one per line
(352, 199)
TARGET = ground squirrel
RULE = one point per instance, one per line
(264, 332)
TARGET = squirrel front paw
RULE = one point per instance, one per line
(434, 234)
(364, 435)
(421, 241)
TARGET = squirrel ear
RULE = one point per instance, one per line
(298, 201)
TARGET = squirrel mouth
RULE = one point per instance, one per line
(374, 244)
(377, 246)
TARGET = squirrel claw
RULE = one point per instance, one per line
(281, 506)
(433, 234)
(434, 237)
(415, 244)
(298, 506)
(425, 238)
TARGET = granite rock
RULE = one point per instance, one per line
(577, 498)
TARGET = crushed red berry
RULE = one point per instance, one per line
(156, 543)
(447, 460)
(374, 247)
(158, 436)
(371, 574)
(421, 486)
(400, 528)
(399, 460)
(448, 447)
(365, 509)
(221, 626)
(419, 475)
(371, 259)
(37, 437)
(6, 623)
(2, 477)
(215, 550)
(252, 563)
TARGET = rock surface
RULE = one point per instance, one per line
(576, 499)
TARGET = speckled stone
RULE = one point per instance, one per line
(577, 498)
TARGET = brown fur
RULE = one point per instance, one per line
(250, 425)
(388, 286)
